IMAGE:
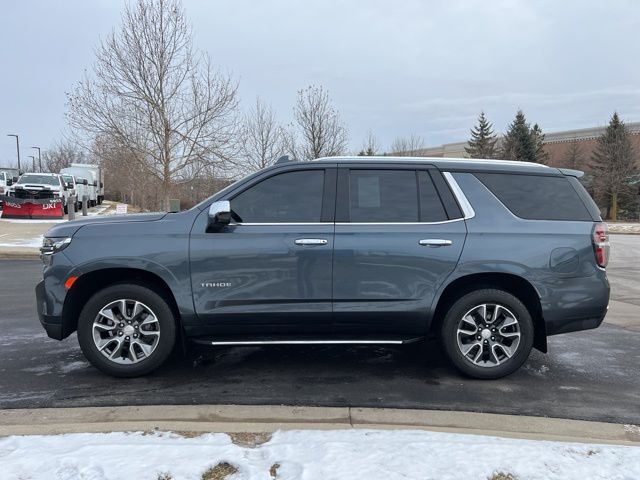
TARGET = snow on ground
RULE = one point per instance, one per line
(313, 455)
(624, 227)
(33, 242)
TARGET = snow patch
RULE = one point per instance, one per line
(338, 454)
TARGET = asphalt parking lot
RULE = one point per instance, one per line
(592, 375)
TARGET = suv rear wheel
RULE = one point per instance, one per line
(487, 333)
(126, 330)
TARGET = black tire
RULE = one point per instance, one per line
(449, 335)
(166, 321)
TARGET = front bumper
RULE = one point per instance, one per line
(51, 323)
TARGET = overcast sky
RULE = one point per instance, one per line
(392, 67)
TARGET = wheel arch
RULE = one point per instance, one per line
(514, 284)
(91, 282)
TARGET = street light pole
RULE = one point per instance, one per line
(39, 158)
(33, 161)
(17, 148)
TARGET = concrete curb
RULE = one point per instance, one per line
(239, 418)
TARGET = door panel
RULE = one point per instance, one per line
(257, 274)
(386, 273)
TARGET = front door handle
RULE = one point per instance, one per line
(310, 241)
(435, 242)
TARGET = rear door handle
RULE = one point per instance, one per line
(309, 242)
(435, 242)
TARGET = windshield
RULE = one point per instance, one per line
(39, 179)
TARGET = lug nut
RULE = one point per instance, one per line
(493, 338)
(126, 338)
(120, 333)
(135, 335)
(121, 325)
(486, 341)
(136, 327)
(479, 337)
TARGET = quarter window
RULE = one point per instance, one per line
(291, 197)
(431, 209)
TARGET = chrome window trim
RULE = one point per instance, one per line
(273, 224)
(465, 205)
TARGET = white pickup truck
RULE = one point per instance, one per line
(41, 186)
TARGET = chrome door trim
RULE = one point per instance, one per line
(465, 205)
(306, 342)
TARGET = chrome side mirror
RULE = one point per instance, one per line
(219, 214)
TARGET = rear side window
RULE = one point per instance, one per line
(380, 196)
(536, 197)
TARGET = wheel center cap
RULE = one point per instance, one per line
(128, 330)
(486, 333)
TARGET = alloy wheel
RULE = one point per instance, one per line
(488, 335)
(126, 331)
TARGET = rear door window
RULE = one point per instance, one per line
(383, 196)
(536, 197)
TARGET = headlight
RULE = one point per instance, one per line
(51, 245)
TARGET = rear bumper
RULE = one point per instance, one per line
(576, 304)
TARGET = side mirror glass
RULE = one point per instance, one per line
(85, 182)
(219, 214)
(70, 185)
(15, 179)
(9, 182)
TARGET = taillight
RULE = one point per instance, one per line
(601, 244)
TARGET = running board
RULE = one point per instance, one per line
(225, 340)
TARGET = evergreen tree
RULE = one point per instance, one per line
(483, 141)
(573, 157)
(612, 164)
(537, 138)
(523, 143)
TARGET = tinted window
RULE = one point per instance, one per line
(431, 209)
(292, 197)
(536, 197)
(383, 196)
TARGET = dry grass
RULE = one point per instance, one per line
(273, 471)
(219, 472)
(249, 439)
(502, 476)
(164, 476)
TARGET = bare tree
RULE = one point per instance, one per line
(407, 146)
(370, 146)
(61, 155)
(263, 139)
(318, 130)
(157, 97)
(573, 156)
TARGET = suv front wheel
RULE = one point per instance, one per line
(126, 330)
(487, 333)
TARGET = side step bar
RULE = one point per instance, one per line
(226, 340)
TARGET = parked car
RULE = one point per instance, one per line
(5, 183)
(490, 257)
(72, 190)
(41, 186)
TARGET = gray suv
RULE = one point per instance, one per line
(491, 257)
